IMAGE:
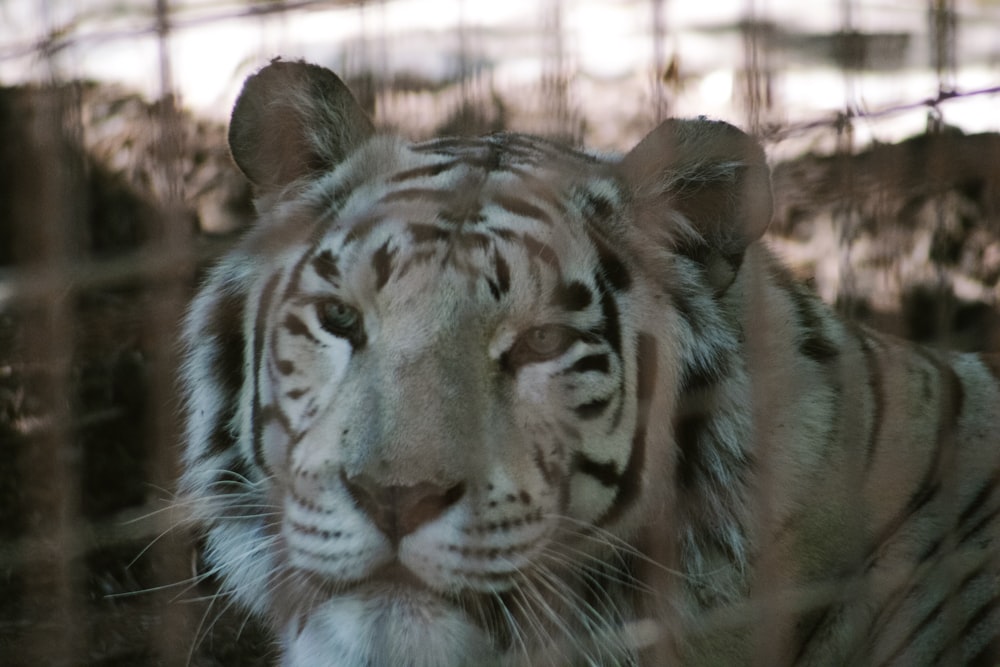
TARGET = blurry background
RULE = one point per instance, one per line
(610, 63)
(116, 190)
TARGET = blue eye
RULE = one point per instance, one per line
(339, 319)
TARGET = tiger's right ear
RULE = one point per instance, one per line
(706, 186)
(293, 120)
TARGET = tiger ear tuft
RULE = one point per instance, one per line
(705, 184)
(294, 119)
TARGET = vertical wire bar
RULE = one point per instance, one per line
(944, 39)
(52, 601)
(943, 44)
(766, 621)
(846, 214)
(659, 35)
(171, 641)
(51, 461)
(555, 82)
(753, 72)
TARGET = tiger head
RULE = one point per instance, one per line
(431, 394)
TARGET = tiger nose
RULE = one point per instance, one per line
(398, 510)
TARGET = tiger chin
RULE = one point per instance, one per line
(498, 401)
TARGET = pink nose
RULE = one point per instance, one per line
(399, 510)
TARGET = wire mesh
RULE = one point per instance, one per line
(112, 205)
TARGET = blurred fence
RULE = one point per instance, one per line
(111, 204)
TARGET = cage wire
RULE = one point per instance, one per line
(112, 204)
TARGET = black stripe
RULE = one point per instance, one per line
(466, 213)
(691, 465)
(521, 208)
(812, 341)
(929, 616)
(549, 471)
(473, 240)
(502, 272)
(685, 308)
(223, 438)
(259, 334)
(978, 501)
(699, 375)
(611, 332)
(610, 324)
(597, 209)
(876, 385)
(712, 364)
(809, 627)
(539, 250)
(382, 260)
(423, 233)
(573, 297)
(599, 363)
(450, 146)
(930, 486)
(425, 171)
(989, 656)
(612, 267)
(540, 147)
(334, 200)
(593, 409)
(569, 430)
(434, 195)
(224, 331)
(951, 401)
(296, 327)
(606, 473)
(325, 266)
(992, 364)
(630, 481)
(985, 522)
(362, 228)
(933, 615)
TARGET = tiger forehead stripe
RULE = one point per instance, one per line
(501, 271)
(436, 195)
(425, 171)
(522, 208)
(325, 266)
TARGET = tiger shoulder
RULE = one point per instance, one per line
(496, 401)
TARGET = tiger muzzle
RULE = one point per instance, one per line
(398, 510)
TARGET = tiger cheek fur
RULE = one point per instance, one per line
(495, 401)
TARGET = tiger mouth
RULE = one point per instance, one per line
(396, 576)
(398, 584)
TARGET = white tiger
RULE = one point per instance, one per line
(495, 401)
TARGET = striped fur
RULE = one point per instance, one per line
(494, 401)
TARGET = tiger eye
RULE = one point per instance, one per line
(338, 318)
(542, 343)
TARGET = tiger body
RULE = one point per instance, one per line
(495, 401)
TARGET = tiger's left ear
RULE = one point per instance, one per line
(706, 185)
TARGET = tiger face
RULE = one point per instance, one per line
(444, 403)
(489, 401)
(443, 400)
